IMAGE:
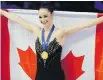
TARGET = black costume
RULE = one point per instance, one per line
(51, 69)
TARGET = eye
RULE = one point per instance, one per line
(40, 17)
(45, 16)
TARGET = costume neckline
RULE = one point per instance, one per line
(50, 42)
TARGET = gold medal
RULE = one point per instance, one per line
(44, 55)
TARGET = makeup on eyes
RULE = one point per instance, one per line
(43, 16)
(40, 17)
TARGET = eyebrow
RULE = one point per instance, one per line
(44, 15)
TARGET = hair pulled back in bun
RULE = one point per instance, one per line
(47, 5)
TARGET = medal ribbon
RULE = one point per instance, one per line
(45, 43)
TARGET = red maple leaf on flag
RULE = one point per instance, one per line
(28, 62)
(72, 66)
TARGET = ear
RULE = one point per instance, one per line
(52, 13)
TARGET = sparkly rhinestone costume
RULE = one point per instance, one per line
(51, 68)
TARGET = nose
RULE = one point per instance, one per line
(43, 20)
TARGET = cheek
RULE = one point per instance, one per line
(49, 19)
(40, 20)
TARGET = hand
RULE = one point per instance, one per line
(100, 19)
(0, 11)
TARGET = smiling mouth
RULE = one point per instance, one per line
(44, 22)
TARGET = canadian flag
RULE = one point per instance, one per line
(82, 54)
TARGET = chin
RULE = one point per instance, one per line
(45, 24)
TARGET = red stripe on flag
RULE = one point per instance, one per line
(99, 51)
(5, 66)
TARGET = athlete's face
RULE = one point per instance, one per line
(45, 17)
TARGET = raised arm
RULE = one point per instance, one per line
(69, 31)
(30, 27)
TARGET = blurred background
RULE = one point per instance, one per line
(77, 6)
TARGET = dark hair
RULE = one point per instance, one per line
(48, 5)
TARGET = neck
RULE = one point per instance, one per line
(47, 28)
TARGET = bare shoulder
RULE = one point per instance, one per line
(59, 32)
(59, 35)
(58, 29)
(36, 30)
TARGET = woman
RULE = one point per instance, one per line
(49, 41)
